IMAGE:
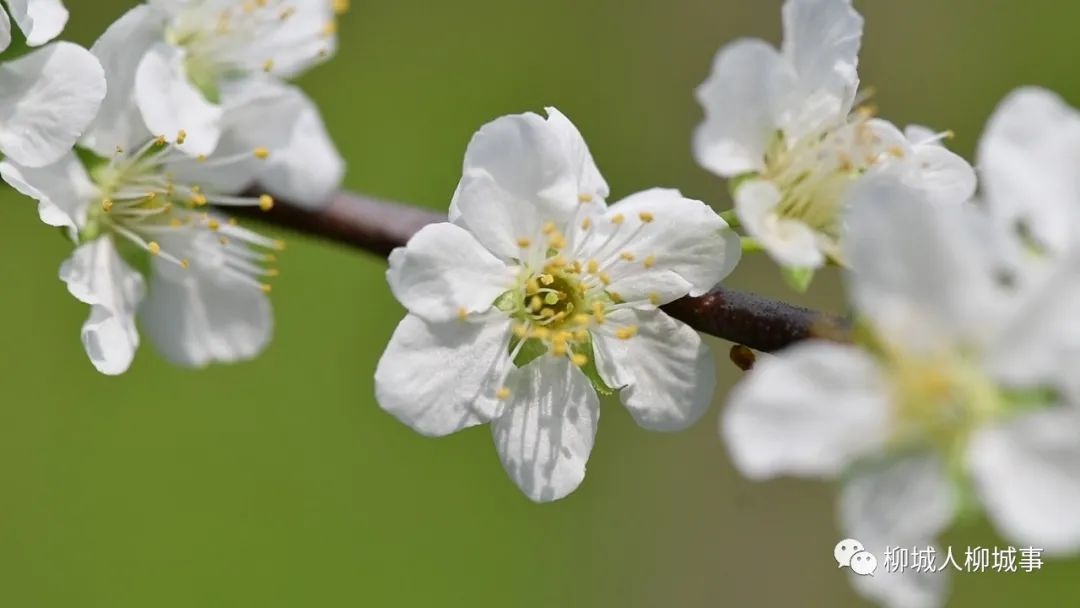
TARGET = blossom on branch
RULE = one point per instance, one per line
(781, 125)
(537, 295)
(940, 405)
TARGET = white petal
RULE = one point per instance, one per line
(432, 374)
(923, 272)
(517, 175)
(589, 180)
(689, 248)
(790, 242)
(63, 189)
(547, 431)
(5, 30)
(442, 270)
(1027, 159)
(739, 98)
(300, 43)
(811, 411)
(666, 374)
(170, 103)
(945, 176)
(120, 49)
(821, 40)
(47, 99)
(1027, 473)
(95, 274)
(39, 20)
(204, 314)
(304, 166)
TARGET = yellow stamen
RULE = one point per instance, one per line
(154, 248)
(181, 137)
(524, 242)
(598, 311)
(262, 153)
(462, 314)
(645, 217)
(617, 218)
(650, 261)
(625, 333)
(593, 266)
(503, 393)
(547, 279)
(266, 202)
(584, 197)
(626, 255)
(579, 359)
(586, 223)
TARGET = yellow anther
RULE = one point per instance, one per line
(154, 248)
(549, 227)
(540, 333)
(615, 297)
(605, 278)
(199, 199)
(265, 287)
(269, 257)
(151, 196)
(232, 221)
(546, 313)
(462, 314)
(272, 272)
(579, 359)
(266, 202)
(897, 151)
(106, 205)
(625, 333)
(176, 222)
(626, 255)
(181, 137)
(268, 65)
(556, 262)
(547, 279)
(593, 266)
(649, 261)
(646, 217)
(536, 303)
(329, 28)
(524, 242)
(502, 393)
(559, 349)
(556, 240)
(576, 267)
(279, 245)
(521, 330)
(224, 241)
(262, 153)
(340, 6)
(598, 311)
(581, 335)
(201, 158)
(654, 299)
(586, 223)
(185, 263)
(532, 286)
(287, 12)
(584, 197)
(582, 319)
(213, 224)
(617, 218)
(950, 134)
(119, 149)
(160, 140)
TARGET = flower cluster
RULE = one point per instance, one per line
(134, 148)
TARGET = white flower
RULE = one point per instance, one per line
(39, 20)
(937, 400)
(188, 59)
(47, 98)
(536, 292)
(782, 122)
(144, 207)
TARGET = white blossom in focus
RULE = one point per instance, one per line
(147, 246)
(938, 406)
(782, 124)
(190, 62)
(39, 20)
(537, 294)
(47, 99)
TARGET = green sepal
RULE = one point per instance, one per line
(530, 351)
(798, 278)
(589, 369)
(506, 302)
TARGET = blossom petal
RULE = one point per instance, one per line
(590, 182)
(63, 189)
(443, 270)
(170, 103)
(920, 292)
(304, 165)
(821, 41)
(944, 175)
(306, 39)
(47, 98)
(546, 432)
(739, 98)
(95, 274)
(657, 244)
(1027, 159)
(120, 49)
(5, 30)
(790, 242)
(1027, 473)
(39, 20)
(518, 174)
(810, 411)
(431, 374)
(204, 314)
(667, 376)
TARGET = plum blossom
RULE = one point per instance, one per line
(538, 294)
(938, 406)
(39, 20)
(783, 125)
(190, 62)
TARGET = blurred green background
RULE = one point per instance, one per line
(281, 483)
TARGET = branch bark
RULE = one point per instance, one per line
(378, 226)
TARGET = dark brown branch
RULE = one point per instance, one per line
(378, 226)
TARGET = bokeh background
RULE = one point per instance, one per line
(281, 483)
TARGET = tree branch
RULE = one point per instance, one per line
(378, 226)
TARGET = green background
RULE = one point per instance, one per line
(280, 482)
